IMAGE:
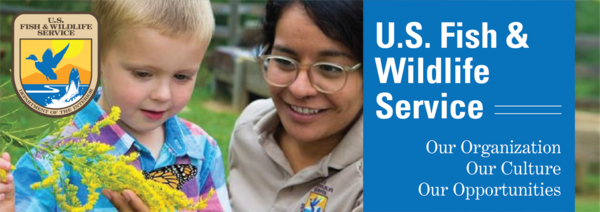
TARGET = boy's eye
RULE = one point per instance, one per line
(181, 77)
(142, 74)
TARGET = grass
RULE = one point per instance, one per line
(593, 181)
(585, 204)
(587, 88)
(218, 124)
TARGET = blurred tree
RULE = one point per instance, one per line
(587, 17)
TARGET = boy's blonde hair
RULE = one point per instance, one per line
(171, 17)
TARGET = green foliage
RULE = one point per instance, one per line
(587, 56)
(587, 88)
(587, 17)
(18, 121)
(5, 63)
(587, 204)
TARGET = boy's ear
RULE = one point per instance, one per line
(101, 73)
(101, 67)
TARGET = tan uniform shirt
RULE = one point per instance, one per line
(261, 179)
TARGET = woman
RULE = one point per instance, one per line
(302, 150)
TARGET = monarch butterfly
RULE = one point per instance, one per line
(173, 175)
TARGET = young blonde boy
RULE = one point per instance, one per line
(150, 54)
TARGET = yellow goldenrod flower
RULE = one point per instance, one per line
(99, 169)
(3, 173)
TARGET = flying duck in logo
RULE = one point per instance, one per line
(49, 62)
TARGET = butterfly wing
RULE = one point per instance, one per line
(174, 175)
(165, 176)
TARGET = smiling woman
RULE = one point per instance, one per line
(303, 147)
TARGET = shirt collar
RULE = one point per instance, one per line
(181, 140)
(348, 151)
(350, 148)
(267, 123)
(177, 136)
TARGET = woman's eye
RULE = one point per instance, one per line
(284, 64)
(329, 68)
(142, 74)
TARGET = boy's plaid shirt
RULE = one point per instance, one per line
(185, 143)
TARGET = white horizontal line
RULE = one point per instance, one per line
(527, 105)
(527, 113)
(54, 90)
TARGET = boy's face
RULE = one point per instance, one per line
(151, 76)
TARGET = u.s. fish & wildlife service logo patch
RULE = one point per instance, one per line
(315, 203)
(55, 61)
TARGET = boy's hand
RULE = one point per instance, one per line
(7, 188)
(126, 202)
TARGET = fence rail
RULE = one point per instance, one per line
(587, 42)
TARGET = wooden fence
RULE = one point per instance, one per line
(587, 125)
(234, 66)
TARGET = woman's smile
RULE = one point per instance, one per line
(305, 114)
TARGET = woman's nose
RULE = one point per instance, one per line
(302, 88)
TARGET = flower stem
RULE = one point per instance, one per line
(26, 143)
(8, 97)
(33, 128)
(14, 111)
(3, 84)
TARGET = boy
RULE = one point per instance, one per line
(150, 55)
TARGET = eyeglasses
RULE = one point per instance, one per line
(325, 77)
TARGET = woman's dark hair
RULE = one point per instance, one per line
(340, 20)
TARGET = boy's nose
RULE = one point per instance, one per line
(302, 88)
(161, 93)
